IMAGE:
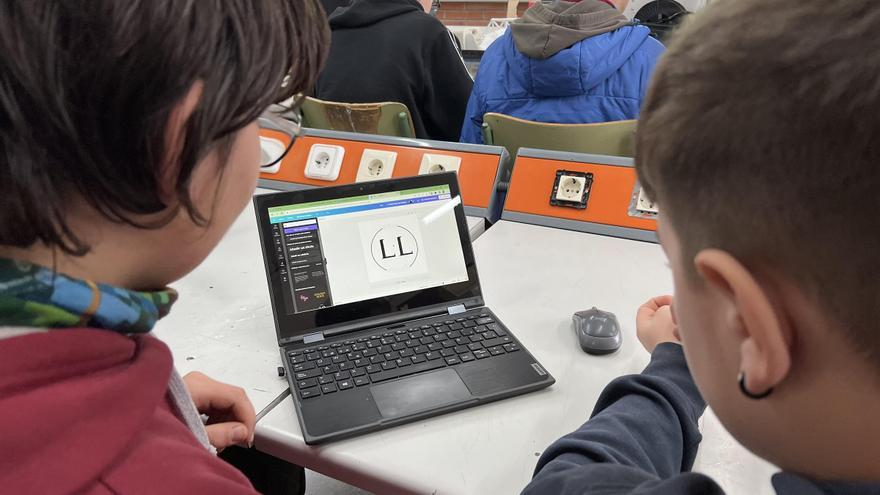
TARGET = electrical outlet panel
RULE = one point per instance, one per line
(376, 165)
(645, 205)
(324, 162)
(432, 164)
(571, 189)
(270, 148)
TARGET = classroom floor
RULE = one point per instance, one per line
(317, 483)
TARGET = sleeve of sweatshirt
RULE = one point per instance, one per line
(472, 129)
(448, 85)
(642, 436)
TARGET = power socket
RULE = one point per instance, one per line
(270, 147)
(324, 162)
(571, 189)
(433, 164)
(376, 165)
(645, 205)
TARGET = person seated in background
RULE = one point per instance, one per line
(757, 148)
(567, 63)
(392, 50)
(130, 144)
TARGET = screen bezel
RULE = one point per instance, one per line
(292, 327)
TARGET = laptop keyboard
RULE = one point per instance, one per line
(341, 366)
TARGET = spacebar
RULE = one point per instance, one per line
(406, 370)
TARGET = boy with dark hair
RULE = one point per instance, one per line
(760, 146)
(128, 145)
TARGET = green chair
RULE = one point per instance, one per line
(605, 138)
(387, 118)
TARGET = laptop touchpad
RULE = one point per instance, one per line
(420, 393)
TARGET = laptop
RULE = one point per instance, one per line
(378, 307)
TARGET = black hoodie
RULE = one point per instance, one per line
(391, 50)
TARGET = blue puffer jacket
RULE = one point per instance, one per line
(598, 79)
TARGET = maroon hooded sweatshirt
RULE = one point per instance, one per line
(87, 411)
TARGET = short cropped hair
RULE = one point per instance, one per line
(87, 89)
(760, 135)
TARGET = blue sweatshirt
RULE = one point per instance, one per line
(642, 439)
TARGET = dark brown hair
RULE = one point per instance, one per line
(87, 89)
(760, 136)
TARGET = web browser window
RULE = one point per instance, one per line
(346, 250)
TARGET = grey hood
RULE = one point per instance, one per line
(545, 30)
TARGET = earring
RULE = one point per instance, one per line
(750, 395)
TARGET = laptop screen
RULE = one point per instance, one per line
(342, 254)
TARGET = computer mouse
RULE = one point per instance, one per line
(598, 331)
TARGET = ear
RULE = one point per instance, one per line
(175, 136)
(765, 347)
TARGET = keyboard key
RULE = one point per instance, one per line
(462, 341)
(436, 346)
(295, 352)
(448, 344)
(454, 335)
(447, 352)
(330, 369)
(387, 340)
(426, 340)
(467, 332)
(329, 353)
(440, 337)
(452, 360)
(490, 335)
(400, 338)
(354, 355)
(383, 349)
(475, 346)
(481, 354)
(329, 388)
(432, 355)
(448, 322)
(311, 382)
(324, 380)
(361, 362)
(456, 326)
(345, 349)
(323, 362)
(336, 344)
(472, 317)
(345, 384)
(391, 356)
(399, 346)
(402, 331)
(297, 359)
(485, 321)
(466, 357)
(412, 343)
(460, 319)
(403, 362)
(361, 381)
(469, 324)
(312, 356)
(389, 365)
(512, 347)
(421, 349)
(373, 343)
(373, 368)
(377, 359)
(323, 347)
(304, 375)
(342, 375)
(418, 359)
(425, 327)
(370, 352)
(497, 341)
(415, 335)
(495, 350)
(409, 370)
(348, 342)
(304, 366)
(338, 359)
(388, 334)
(476, 337)
(309, 393)
(359, 347)
(460, 349)
(357, 372)
(428, 333)
(406, 353)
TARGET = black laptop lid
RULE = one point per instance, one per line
(337, 257)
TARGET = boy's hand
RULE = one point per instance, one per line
(231, 417)
(654, 323)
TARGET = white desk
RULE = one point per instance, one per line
(533, 278)
(222, 324)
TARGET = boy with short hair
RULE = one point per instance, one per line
(758, 140)
(128, 145)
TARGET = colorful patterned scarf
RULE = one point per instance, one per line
(34, 296)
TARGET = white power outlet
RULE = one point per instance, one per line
(432, 164)
(571, 188)
(645, 205)
(325, 162)
(270, 147)
(376, 165)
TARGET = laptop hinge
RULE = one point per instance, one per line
(313, 337)
(454, 310)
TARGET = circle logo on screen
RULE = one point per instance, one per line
(394, 248)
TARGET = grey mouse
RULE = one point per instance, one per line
(598, 331)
